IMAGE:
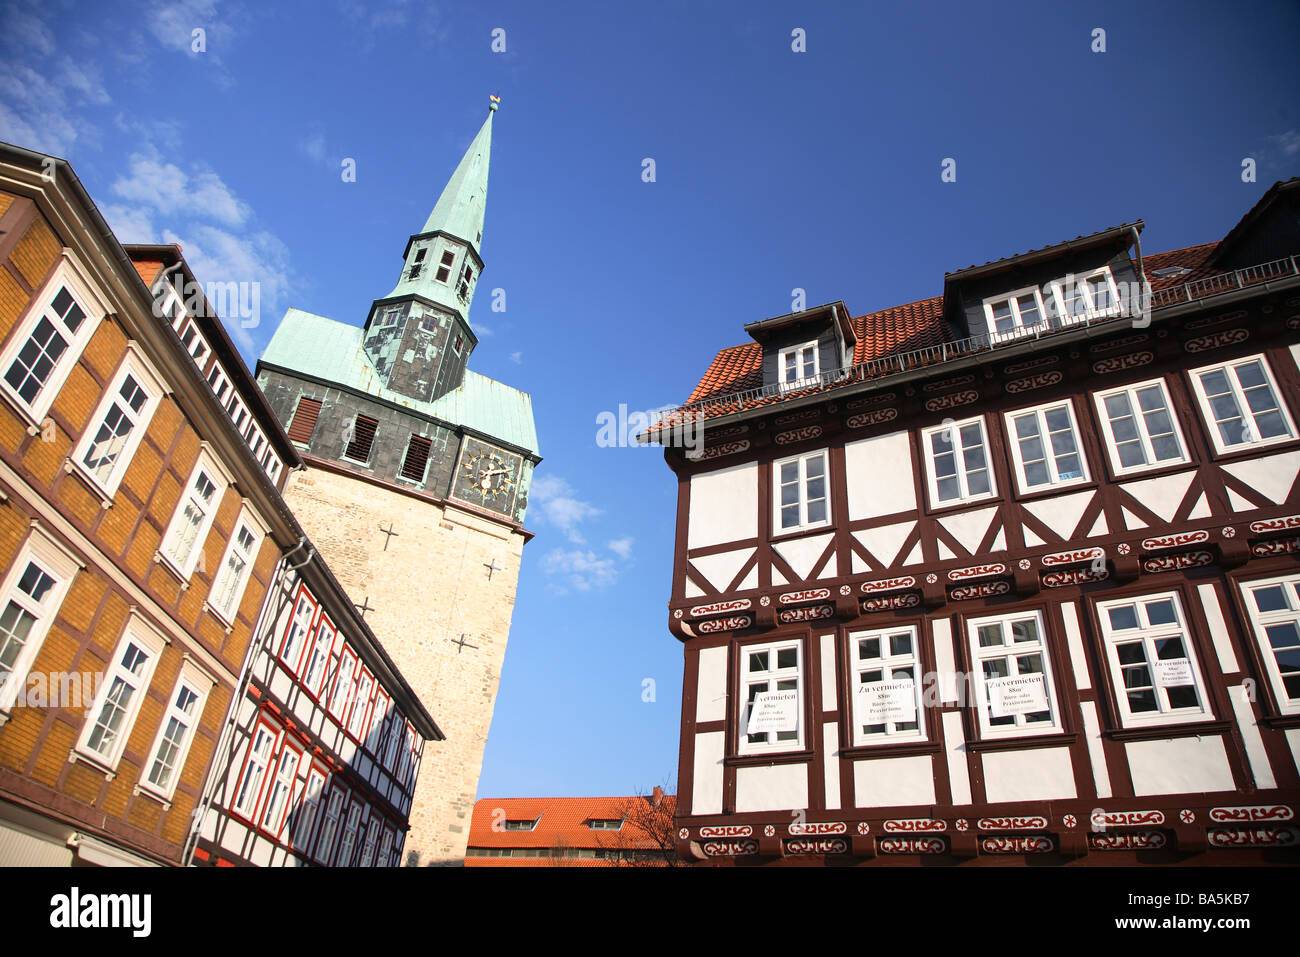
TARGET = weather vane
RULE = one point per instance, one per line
(493, 102)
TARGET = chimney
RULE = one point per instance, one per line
(657, 797)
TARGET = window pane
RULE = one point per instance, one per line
(869, 648)
(900, 644)
(1161, 612)
(787, 657)
(1272, 598)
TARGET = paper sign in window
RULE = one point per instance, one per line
(1174, 673)
(1019, 694)
(773, 711)
(886, 701)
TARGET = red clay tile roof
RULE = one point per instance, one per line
(561, 821)
(901, 329)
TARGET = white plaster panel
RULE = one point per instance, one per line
(1096, 752)
(886, 541)
(1179, 765)
(944, 659)
(1038, 774)
(1162, 495)
(954, 744)
(1213, 611)
(720, 569)
(1250, 736)
(706, 783)
(1061, 513)
(969, 528)
(1272, 475)
(879, 476)
(828, 673)
(1293, 741)
(711, 690)
(893, 782)
(831, 764)
(801, 554)
(776, 787)
(724, 506)
(1074, 640)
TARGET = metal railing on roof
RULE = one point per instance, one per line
(886, 367)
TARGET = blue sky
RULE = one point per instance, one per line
(775, 170)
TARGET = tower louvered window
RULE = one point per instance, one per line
(363, 437)
(417, 457)
(304, 420)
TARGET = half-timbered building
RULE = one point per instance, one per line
(1006, 573)
(140, 531)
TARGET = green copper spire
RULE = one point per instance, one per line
(461, 206)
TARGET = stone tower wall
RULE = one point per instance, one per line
(425, 589)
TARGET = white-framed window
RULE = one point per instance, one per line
(1045, 447)
(248, 788)
(329, 827)
(1140, 428)
(1092, 295)
(406, 772)
(172, 745)
(344, 685)
(308, 805)
(802, 492)
(348, 842)
(236, 565)
(183, 543)
(49, 340)
(1013, 670)
(886, 686)
(386, 849)
(118, 425)
(1152, 660)
(444, 265)
(1242, 405)
(958, 460)
(1273, 605)
(371, 843)
(317, 659)
(111, 717)
(1014, 313)
(280, 791)
(361, 709)
(30, 595)
(396, 726)
(376, 735)
(299, 628)
(765, 669)
(798, 366)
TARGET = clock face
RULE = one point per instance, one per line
(487, 476)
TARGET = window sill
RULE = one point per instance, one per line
(1280, 721)
(105, 496)
(94, 762)
(1150, 471)
(766, 758)
(901, 749)
(1019, 742)
(160, 559)
(211, 609)
(963, 503)
(1073, 485)
(1159, 732)
(787, 533)
(146, 791)
(1247, 449)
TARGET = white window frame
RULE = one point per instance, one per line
(1147, 634)
(333, 810)
(206, 465)
(1013, 300)
(198, 683)
(307, 809)
(133, 364)
(246, 807)
(1144, 436)
(362, 693)
(316, 687)
(799, 381)
(954, 438)
(68, 274)
(370, 842)
(802, 462)
(385, 858)
(1017, 455)
(1261, 620)
(1234, 383)
(1009, 648)
(139, 634)
(349, 833)
(250, 522)
(888, 663)
(299, 630)
(341, 695)
(396, 726)
(776, 677)
(377, 732)
(50, 558)
(280, 787)
(1090, 309)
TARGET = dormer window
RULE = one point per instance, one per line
(1018, 312)
(460, 342)
(798, 365)
(521, 825)
(1090, 296)
(419, 255)
(466, 278)
(444, 267)
(605, 824)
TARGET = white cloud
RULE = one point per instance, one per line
(556, 503)
(622, 547)
(1288, 141)
(517, 358)
(582, 570)
(130, 224)
(172, 191)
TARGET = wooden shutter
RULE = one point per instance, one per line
(304, 420)
(362, 438)
(417, 457)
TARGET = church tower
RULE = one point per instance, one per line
(415, 487)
